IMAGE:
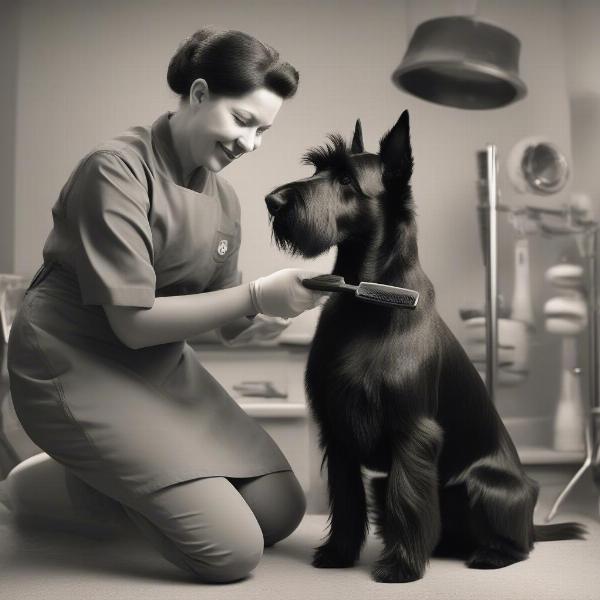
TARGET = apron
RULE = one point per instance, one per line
(147, 418)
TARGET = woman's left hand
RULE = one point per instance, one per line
(263, 328)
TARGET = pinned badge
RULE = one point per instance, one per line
(222, 248)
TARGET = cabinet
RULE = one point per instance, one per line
(287, 420)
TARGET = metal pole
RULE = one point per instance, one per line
(594, 414)
(491, 275)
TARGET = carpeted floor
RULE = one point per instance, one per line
(60, 566)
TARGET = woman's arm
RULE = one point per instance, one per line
(175, 318)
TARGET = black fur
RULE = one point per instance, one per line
(393, 390)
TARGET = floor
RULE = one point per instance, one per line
(59, 566)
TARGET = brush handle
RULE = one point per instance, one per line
(374, 293)
(329, 283)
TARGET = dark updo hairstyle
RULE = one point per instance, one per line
(233, 63)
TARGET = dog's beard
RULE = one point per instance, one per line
(299, 238)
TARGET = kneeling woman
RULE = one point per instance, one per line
(143, 255)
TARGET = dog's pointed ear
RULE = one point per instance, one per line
(395, 153)
(357, 141)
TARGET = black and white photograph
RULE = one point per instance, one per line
(299, 299)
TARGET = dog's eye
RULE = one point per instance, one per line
(345, 180)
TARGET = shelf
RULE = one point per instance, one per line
(537, 455)
(275, 410)
(279, 346)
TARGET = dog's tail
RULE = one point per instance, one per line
(559, 531)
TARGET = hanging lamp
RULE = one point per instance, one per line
(461, 62)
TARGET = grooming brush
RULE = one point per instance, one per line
(376, 293)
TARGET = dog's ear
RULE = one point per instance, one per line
(395, 153)
(357, 141)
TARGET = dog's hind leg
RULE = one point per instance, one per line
(409, 516)
(501, 504)
(348, 517)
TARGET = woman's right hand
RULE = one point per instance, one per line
(282, 294)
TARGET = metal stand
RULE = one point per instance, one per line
(488, 207)
(488, 204)
(591, 426)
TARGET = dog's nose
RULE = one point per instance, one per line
(275, 202)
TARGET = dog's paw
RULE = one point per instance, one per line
(490, 558)
(327, 557)
(388, 572)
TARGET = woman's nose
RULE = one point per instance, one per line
(248, 142)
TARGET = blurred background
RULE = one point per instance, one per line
(76, 72)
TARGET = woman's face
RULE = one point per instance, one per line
(221, 129)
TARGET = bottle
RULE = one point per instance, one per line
(569, 421)
(521, 300)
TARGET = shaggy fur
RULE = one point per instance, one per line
(393, 390)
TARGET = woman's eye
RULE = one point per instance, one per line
(239, 121)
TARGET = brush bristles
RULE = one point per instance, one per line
(387, 295)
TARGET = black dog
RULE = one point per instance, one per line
(393, 390)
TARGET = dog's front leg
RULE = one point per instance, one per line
(348, 512)
(408, 512)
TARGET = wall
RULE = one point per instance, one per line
(582, 59)
(90, 69)
(581, 19)
(8, 107)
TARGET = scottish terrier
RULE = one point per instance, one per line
(392, 390)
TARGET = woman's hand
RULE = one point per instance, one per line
(263, 328)
(282, 294)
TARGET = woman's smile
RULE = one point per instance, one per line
(228, 153)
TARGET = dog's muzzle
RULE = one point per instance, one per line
(275, 202)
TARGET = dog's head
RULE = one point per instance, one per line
(350, 195)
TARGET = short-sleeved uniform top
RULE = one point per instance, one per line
(126, 230)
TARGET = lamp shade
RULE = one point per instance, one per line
(461, 62)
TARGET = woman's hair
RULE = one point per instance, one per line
(233, 63)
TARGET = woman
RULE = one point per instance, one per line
(142, 256)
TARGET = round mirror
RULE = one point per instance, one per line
(537, 166)
(545, 168)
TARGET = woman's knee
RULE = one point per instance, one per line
(235, 561)
(203, 526)
(286, 519)
(278, 503)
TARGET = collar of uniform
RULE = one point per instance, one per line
(162, 140)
